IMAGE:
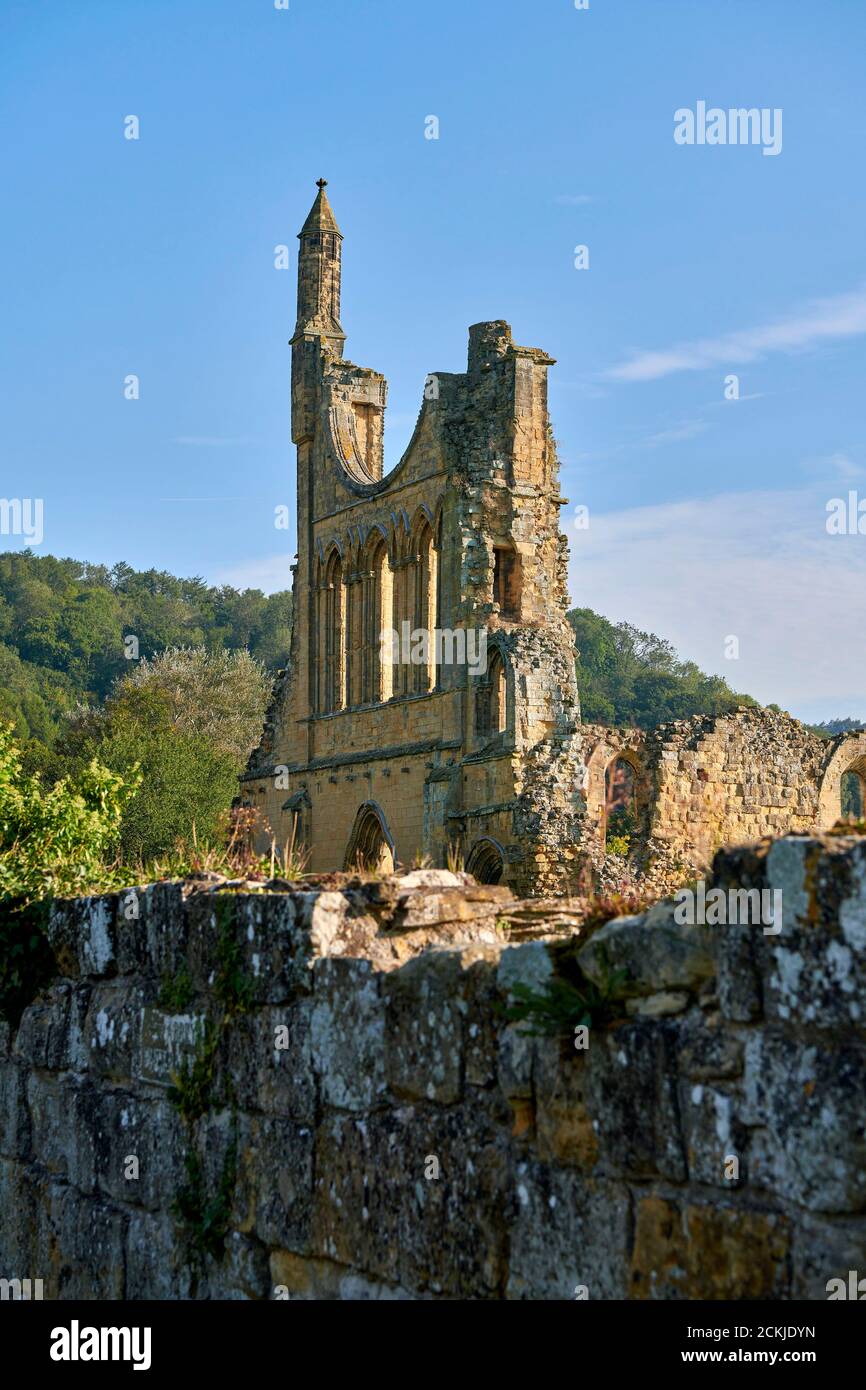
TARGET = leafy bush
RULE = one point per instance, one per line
(54, 841)
(188, 719)
(618, 845)
(57, 841)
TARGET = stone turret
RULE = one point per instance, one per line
(319, 275)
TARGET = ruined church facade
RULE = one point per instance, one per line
(461, 740)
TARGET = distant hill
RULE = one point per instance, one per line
(628, 677)
(831, 727)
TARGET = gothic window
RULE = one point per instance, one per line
(620, 806)
(506, 581)
(354, 638)
(853, 792)
(415, 611)
(330, 636)
(491, 709)
(425, 606)
(378, 603)
(370, 845)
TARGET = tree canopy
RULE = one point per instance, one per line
(626, 677)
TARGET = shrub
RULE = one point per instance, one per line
(54, 841)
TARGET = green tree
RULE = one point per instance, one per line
(189, 720)
(629, 677)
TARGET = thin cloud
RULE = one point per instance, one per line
(687, 430)
(841, 316)
(839, 466)
(757, 565)
(208, 441)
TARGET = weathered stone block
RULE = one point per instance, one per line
(256, 937)
(64, 1113)
(111, 1036)
(14, 1114)
(277, 1182)
(822, 1251)
(429, 1185)
(810, 1099)
(276, 1078)
(156, 1261)
(632, 1098)
(243, 1271)
(567, 1231)
(168, 1043)
(423, 1038)
(82, 934)
(149, 1132)
(715, 1139)
(51, 1032)
(654, 951)
(708, 1050)
(740, 983)
(300, 1279)
(564, 1128)
(348, 1033)
(708, 1252)
(92, 1236)
(163, 924)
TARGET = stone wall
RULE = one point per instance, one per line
(700, 783)
(361, 1121)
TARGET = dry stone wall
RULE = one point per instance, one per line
(354, 1117)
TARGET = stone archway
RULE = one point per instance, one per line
(845, 769)
(620, 823)
(486, 861)
(605, 791)
(371, 845)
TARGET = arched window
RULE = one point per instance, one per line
(486, 861)
(377, 610)
(425, 606)
(853, 791)
(370, 848)
(506, 581)
(620, 806)
(354, 636)
(415, 610)
(491, 708)
(330, 636)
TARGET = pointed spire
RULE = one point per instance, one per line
(319, 274)
(321, 216)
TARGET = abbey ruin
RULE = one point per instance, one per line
(367, 757)
(438, 1082)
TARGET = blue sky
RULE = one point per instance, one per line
(156, 257)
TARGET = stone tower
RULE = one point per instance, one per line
(367, 752)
